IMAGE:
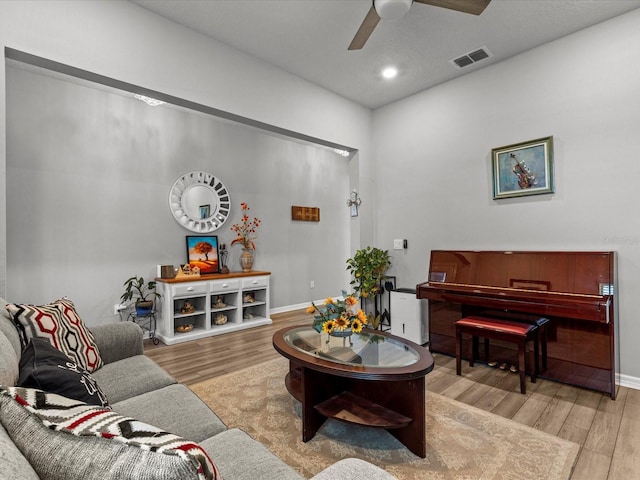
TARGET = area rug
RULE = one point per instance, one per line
(463, 442)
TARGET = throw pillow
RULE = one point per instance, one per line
(62, 326)
(69, 440)
(45, 367)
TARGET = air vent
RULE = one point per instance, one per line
(471, 57)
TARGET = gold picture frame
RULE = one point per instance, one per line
(523, 169)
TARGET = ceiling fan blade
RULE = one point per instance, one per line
(365, 30)
(474, 7)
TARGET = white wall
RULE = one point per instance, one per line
(122, 41)
(433, 151)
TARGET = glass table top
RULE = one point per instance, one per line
(369, 348)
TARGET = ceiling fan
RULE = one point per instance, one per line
(395, 9)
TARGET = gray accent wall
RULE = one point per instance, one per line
(88, 176)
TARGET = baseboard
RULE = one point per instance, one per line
(629, 381)
(288, 308)
(299, 306)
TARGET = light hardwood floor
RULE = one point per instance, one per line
(607, 431)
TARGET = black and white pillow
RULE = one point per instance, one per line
(44, 367)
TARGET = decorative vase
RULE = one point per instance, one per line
(341, 333)
(246, 259)
(344, 334)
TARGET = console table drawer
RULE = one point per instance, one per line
(224, 285)
(255, 282)
(191, 289)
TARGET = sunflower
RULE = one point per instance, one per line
(328, 326)
(342, 322)
(356, 326)
(337, 314)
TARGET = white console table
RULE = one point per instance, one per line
(245, 296)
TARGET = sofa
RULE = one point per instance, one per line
(136, 388)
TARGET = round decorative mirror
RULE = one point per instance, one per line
(199, 202)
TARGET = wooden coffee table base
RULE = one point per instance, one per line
(397, 406)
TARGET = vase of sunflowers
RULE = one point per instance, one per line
(338, 317)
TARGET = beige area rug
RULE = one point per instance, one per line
(463, 442)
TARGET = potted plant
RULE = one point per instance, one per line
(144, 294)
(368, 267)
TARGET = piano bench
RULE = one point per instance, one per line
(503, 330)
(540, 322)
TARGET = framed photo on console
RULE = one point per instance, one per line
(202, 252)
(523, 169)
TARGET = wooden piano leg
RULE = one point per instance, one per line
(522, 349)
(543, 338)
(475, 348)
(458, 350)
(535, 369)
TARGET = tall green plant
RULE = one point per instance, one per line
(368, 267)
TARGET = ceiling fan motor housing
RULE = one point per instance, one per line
(392, 9)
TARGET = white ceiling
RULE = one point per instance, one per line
(309, 38)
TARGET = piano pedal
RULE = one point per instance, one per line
(492, 364)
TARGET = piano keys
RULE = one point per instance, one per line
(575, 290)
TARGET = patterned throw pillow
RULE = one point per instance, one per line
(44, 367)
(62, 326)
(67, 439)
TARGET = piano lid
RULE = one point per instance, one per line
(569, 284)
(573, 273)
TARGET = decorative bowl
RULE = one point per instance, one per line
(184, 328)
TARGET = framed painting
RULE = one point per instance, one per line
(205, 211)
(202, 252)
(523, 169)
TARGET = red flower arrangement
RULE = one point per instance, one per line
(246, 229)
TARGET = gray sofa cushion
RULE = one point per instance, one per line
(8, 328)
(132, 376)
(240, 457)
(13, 465)
(118, 340)
(8, 363)
(175, 409)
(353, 469)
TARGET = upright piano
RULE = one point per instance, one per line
(576, 291)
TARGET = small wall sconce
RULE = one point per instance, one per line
(354, 202)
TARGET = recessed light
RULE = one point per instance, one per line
(389, 72)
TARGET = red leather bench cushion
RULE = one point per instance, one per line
(495, 325)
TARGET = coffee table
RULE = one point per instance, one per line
(372, 378)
